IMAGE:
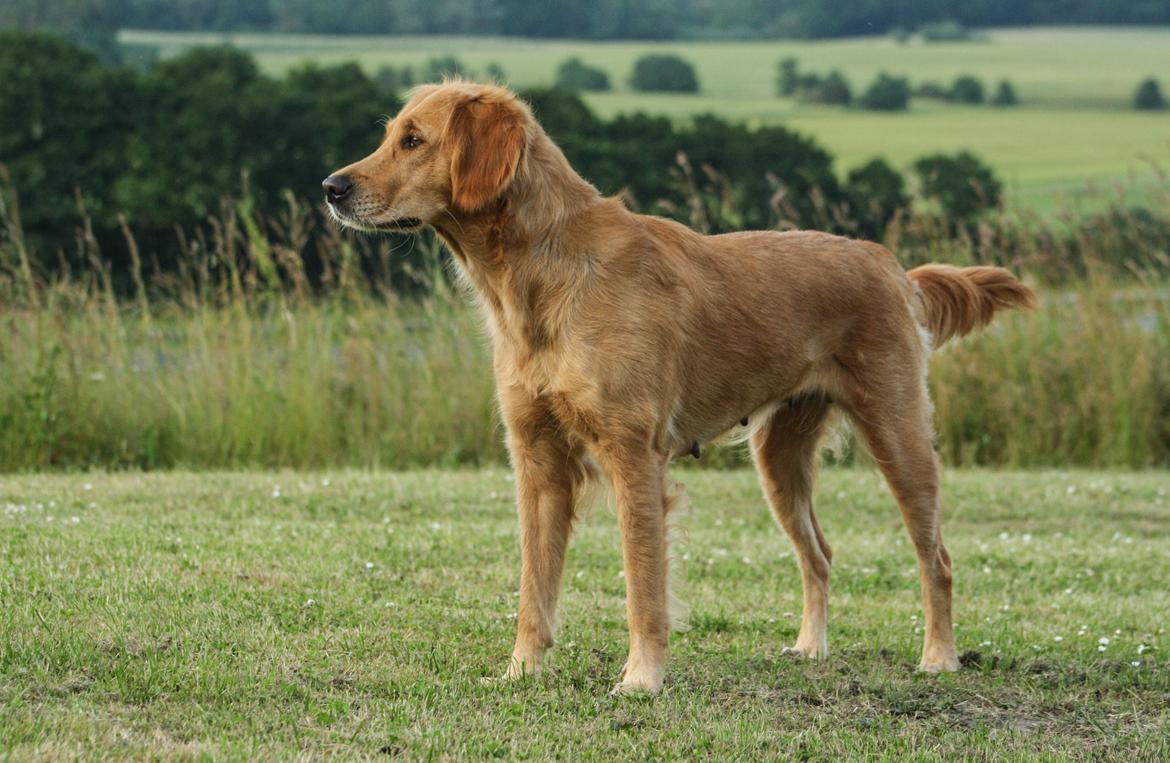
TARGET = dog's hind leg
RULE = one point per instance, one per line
(898, 433)
(785, 452)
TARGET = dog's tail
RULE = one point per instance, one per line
(957, 301)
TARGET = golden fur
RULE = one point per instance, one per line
(622, 341)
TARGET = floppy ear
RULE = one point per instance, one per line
(487, 139)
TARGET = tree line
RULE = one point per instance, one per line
(160, 151)
(583, 19)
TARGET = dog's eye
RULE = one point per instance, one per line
(411, 141)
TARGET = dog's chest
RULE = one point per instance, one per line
(563, 380)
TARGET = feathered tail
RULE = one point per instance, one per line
(957, 301)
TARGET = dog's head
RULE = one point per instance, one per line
(454, 148)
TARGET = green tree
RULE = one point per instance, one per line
(98, 20)
(887, 93)
(209, 123)
(438, 69)
(875, 193)
(947, 30)
(562, 113)
(1149, 96)
(664, 73)
(327, 117)
(65, 120)
(393, 80)
(496, 73)
(575, 74)
(788, 77)
(772, 171)
(635, 154)
(1005, 95)
(967, 89)
(962, 185)
(625, 20)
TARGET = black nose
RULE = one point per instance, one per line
(337, 187)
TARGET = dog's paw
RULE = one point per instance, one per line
(947, 664)
(519, 667)
(636, 689)
(939, 658)
(807, 651)
(646, 680)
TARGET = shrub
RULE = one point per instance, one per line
(962, 185)
(932, 90)
(967, 89)
(1005, 95)
(833, 89)
(887, 93)
(664, 73)
(575, 74)
(1149, 96)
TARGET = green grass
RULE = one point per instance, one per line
(1074, 135)
(278, 615)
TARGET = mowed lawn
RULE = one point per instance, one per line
(1074, 140)
(358, 614)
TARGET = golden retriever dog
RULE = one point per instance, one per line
(622, 341)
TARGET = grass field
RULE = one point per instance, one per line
(1073, 139)
(355, 615)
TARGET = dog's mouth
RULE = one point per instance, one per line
(397, 225)
(401, 224)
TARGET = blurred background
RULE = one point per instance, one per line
(172, 295)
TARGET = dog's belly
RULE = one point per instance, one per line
(726, 401)
(726, 417)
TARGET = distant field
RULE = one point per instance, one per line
(1075, 127)
(353, 616)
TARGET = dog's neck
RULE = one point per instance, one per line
(514, 252)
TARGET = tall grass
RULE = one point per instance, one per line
(234, 359)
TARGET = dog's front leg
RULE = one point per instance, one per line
(638, 485)
(549, 478)
(545, 505)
